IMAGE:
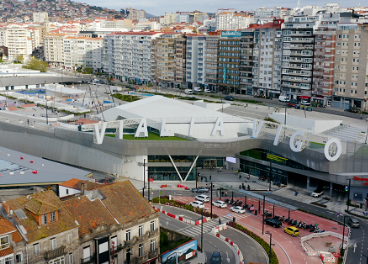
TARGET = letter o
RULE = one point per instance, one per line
(338, 151)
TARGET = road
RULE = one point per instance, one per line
(210, 242)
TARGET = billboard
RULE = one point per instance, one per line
(230, 34)
(181, 254)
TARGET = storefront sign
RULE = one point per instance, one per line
(276, 158)
(230, 34)
(361, 179)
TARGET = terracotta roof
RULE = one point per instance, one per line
(89, 214)
(6, 226)
(122, 201)
(12, 108)
(34, 231)
(6, 252)
(39, 207)
(16, 237)
(82, 121)
(76, 184)
(28, 105)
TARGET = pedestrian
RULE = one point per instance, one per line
(222, 194)
(28, 122)
(201, 179)
(219, 221)
(239, 176)
(248, 187)
(210, 177)
(226, 193)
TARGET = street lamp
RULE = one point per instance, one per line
(263, 215)
(144, 176)
(202, 230)
(348, 194)
(211, 200)
(269, 254)
(343, 235)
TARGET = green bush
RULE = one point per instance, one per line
(126, 97)
(36, 65)
(264, 244)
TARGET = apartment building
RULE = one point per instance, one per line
(9, 237)
(135, 14)
(228, 57)
(82, 51)
(210, 67)
(246, 61)
(350, 80)
(165, 68)
(53, 48)
(297, 55)
(180, 61)
(48, 231)
(17, 42)
(124, 229)
(196, 48)
(233, 20)
(40, 17)
(267, 53)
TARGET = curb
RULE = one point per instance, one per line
(182, 219)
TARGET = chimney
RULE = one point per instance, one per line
(83, 187)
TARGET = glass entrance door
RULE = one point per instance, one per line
(210, 163)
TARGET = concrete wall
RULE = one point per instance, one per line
(63, 191)
(317, 126)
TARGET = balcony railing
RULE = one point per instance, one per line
(89, 260)
(60, 251)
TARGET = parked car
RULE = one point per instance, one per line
(197, 204)
(292, 103)
(188, 91)
(207, 90)
(283, 98)
(200, 190)
(202, 198)
(220, 204)
(317, 193)
(197, 89)
(305, 102)
(216, 258)
(292, 230)
(213, 91)
(237, 209)
(352, 222)
(273, 222)
(229, 98)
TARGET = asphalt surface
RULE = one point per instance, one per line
(358, 242)
(210, 242)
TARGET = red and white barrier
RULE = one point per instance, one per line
(182, 219)
(216, 231)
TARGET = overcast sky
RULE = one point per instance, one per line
(160, 7)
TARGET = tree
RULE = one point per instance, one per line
(35, 64)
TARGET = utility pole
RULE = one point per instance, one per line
(264, 203)
(348, 195)
(343, 235)
(144, 176)
(211, 200)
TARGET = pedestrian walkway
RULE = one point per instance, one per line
(195, 231)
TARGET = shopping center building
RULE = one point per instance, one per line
(168, 139)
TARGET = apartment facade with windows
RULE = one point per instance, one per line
(212, 40)
(196, 48)
(17, 42)
(350, 80)
(246, 61)
(180, 61)
(297, 56)
(267, 52)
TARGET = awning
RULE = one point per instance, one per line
(304, 97)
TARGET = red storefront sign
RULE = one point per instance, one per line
(361, 179)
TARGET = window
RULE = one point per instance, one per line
(44, 219)
(127, 235)
(60, 260)
(140, 231)
(69, 238)
(141, 251)
(52, 217)
(70, 258)
(36, 249)
(53, 243)
(67, 191)
(19, 258)
(153, 226)
(86, 253)
(4, 242)
(153, 245)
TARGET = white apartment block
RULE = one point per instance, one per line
(40, 17)
(53, 47)
(170, 18)
(17, 42)
(130, 55)
(82, 51)
(2, 37)
(196, 48)
(233, 21)
(135, 14)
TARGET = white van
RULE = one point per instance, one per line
(188, 91)
(283, 98)
(197, 89)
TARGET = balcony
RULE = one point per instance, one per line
(60, 251)
(90, 260)
(153, 254)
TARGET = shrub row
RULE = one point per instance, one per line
(319, 204)
(264, 244)
(165, 200)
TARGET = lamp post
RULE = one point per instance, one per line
(348, 194)
(270, 175)
(202, 230)
(144, 176)
(343, 235)
(264, 203)
(269, 254)
(211, 200)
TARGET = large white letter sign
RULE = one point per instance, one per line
(142, 128)
(334, 150)
(276, 141)
(119, 130)
(100, 135)
(219, 126)
(256, 129)
(298, 143)
(163, 132)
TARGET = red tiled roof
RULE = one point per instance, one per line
(16, 237)
(12, 108)
(28, 105)
(76, 184)
(6, 226)
(6, 252)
